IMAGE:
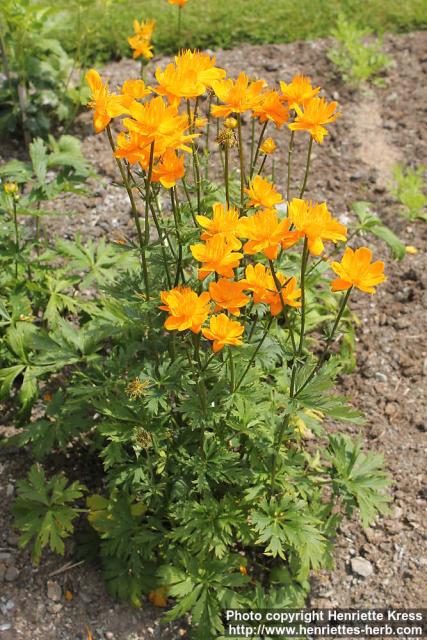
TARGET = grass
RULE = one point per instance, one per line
(408, 189)
(227, 23)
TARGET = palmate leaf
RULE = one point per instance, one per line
(358, 478)
(43, 510)
(286, 525)
(201, 585)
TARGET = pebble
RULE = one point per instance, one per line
(361, 567)
(5, 626)
(54, 591)
(109, 635)
(54, 607)
(381, 376)
(272, 66)
(11, 574)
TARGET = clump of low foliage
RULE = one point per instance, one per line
(222, 483)
(409, 190)
(38, 91)
(357, 59)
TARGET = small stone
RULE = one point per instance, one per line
(397, 513)
(10, 490)
(271, 66)
(381, 376)
(361, 567)
(54, 591)
(11, 574)
(390, 409)
(5, 626)
(109, 635)
(13, 539)
(54, 607)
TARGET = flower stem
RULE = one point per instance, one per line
(227, 187)
(15, 224)
(147, 195)
(325, 351)
(258, 347)
(290, 152)
(134, 213)
(242, 162)
(261, 138)
(284, 312)
(176, 218)
(232, 376)
(278, 437)
(307, 168)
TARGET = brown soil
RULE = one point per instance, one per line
(379, 126)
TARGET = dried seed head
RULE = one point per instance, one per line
(136, 388)
(227, 138)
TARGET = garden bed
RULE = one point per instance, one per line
(378, 128)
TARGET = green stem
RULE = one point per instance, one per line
(134, 213)
(262, 166)
(261, 137)
(284, 310)
(15, 224)
(208, 129)
(290, 151)
(277, 445)
(307, 168)
(187, 195)
(254, 324)
(147, 196)
(176, 218)
(231, 363)
(242, 162)
(227, 186)
(325, 351)
(258, 347)
(196, 165)
(304, 260)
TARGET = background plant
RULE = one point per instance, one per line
(356, 59)
(38, 90)
(409, 190)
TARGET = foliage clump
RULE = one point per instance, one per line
(200, 365)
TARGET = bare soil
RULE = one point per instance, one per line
(379, 127)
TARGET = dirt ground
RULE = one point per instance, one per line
(378, 127)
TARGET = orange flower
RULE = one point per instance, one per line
(216, 256)
(258, 279)
(238, 95)
(265, 232)
(317, 112)
(135, 89)
(223, 223)
(105, 104)
(144, 29)
(141, 47)
(271, 108)
(268, 146)
(133, 148)
(228, 295)
(316, 223)
(140, 42)
(298, 92)
(180, 3)
(262, 194)
(289, 294)
(191, 74)
(159, 123)
(169, 169)
(223, 331)
(356, 269)
(186, 309)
